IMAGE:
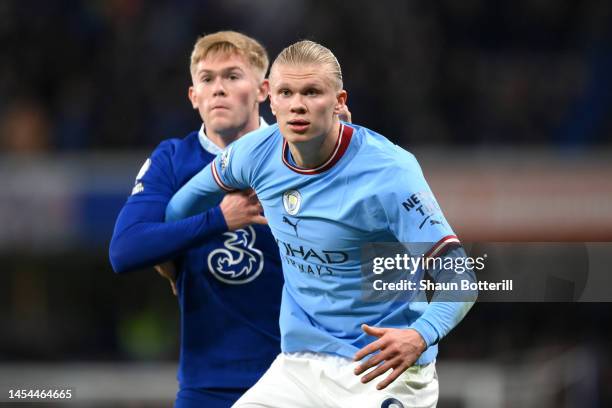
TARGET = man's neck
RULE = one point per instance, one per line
(311, 154)
(224, 138)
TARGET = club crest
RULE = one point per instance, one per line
(292, 200)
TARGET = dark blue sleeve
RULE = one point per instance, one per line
(141, 237)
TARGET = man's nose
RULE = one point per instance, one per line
(297, 104)
(218, 87)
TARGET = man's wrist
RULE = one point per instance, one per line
(421, 341)
(427, 332)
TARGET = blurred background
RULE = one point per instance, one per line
(506, 104)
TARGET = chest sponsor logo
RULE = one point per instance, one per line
(238, 261)
(309, 260)
(292, 200)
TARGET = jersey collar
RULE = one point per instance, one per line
(212, 148)
(342, 143)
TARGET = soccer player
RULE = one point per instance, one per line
(327, 188)
(229, 277)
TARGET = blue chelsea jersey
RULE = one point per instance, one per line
(369, 190)
(229, 286)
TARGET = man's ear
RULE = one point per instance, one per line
(192, 97)
(272, 108)
(263, 90)
(341, 98)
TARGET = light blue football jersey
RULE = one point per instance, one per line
(369, 190)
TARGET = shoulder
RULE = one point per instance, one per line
(257, 139)
(384, 157)
(177, 145)
(168, 156)
(389, 173)
(253, 147)
(174, 153)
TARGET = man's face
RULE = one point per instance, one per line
(304, 100)
(226, 91)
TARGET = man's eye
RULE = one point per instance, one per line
(285, 92)
(234, 77)
(312, 92)
(206, 79)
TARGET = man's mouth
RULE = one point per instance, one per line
(219, 107)
(298, 125)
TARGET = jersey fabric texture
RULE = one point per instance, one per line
(229, 283)
(369, 190)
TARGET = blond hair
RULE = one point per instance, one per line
(231, 42)
(307, 52)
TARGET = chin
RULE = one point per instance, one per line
(296, 137)
(219, 124)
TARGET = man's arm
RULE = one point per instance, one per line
(197, 195)
(447, 307)
(205, 188)
(415, 219)
(141, 237)
(400, 348)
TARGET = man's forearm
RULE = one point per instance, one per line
(447, 307)
(197, 195)
(139, 243)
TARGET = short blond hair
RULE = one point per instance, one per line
(231, 42)
(307, 52)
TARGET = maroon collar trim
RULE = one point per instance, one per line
(342, 143)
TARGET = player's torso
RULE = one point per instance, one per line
(320, 221)
(219, 283)
(232, 262)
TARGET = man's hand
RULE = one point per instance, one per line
(399, 349)
(242, 208)
(168, 271)
(345, 114)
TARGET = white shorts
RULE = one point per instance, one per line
(314, 380)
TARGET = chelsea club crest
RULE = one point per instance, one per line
(292, 199)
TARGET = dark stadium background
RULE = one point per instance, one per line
(507, 105)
